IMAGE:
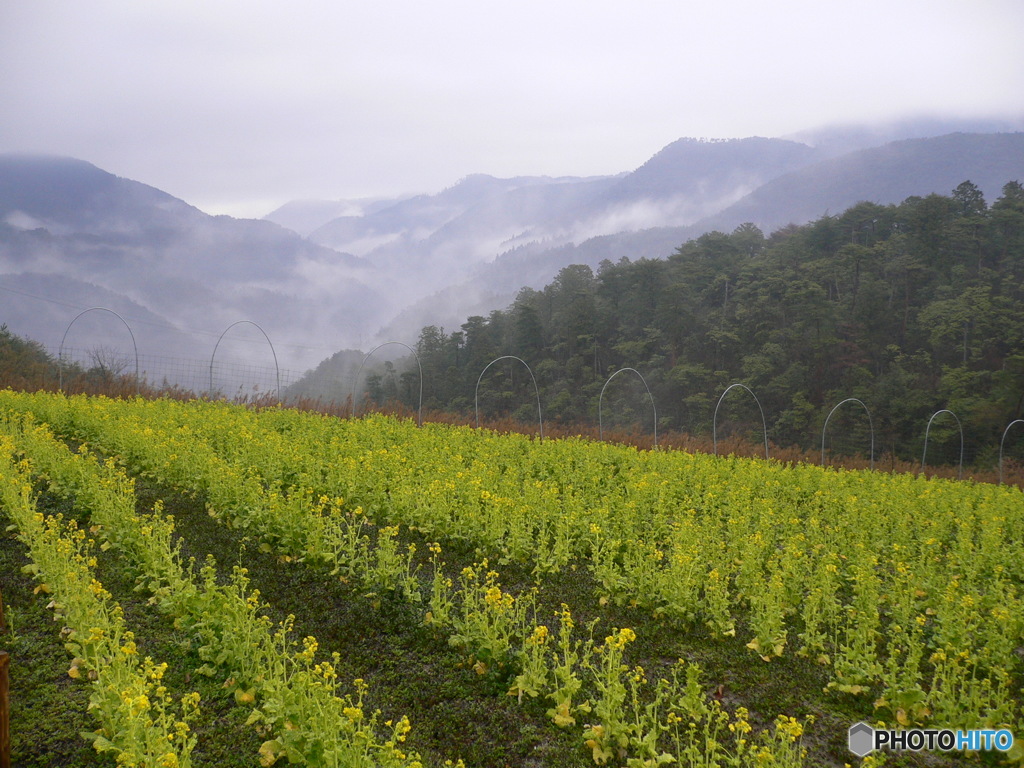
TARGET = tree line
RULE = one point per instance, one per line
(910, 308)
(25, 364)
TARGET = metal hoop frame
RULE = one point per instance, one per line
(60, 351)
(540, 419)
(1001, 442)
(960, 472)
(355, 381)
(476, 393)
(277, 368)
(600, 420)
(714, 423)
(870, 425)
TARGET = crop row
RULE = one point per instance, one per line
(907, 588)
(497, 629)
(139, 722)
(297, 695)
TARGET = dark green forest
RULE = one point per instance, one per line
(911, 308)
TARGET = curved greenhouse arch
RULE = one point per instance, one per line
(476, 392)
(870, 425)
(600, 420)
(714, 423)
(272, 351)
(1001, 443)
(60, 351)
(960, 472)
(355, 381)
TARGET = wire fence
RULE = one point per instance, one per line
(224, 376)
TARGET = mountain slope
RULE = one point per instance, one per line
(64, 195)
(884, 175)
(411, 222)
(423, 245)
(65, 218)
(711, 170)
(433, 259)
(686, 180)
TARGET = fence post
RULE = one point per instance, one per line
(5, 711)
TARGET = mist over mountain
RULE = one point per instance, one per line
(306, 216)
(321, 276)
(440, 250)
(64, 223)
(481, 216)
(817, 187)
(886, 174)
(835, 140)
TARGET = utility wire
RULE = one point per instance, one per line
(164, 326)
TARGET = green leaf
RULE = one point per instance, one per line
(255, 716)
(99, 743)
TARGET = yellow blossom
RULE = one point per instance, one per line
(789, 726)
(539, 636)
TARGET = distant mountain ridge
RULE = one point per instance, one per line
(680, 184)
(427, 243)
(829, 185)
(884, 175)
(98, 236)
(383, 269)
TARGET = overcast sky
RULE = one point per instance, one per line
(239, 106)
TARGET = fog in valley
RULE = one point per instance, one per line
(333, 179)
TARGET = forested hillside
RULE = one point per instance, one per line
(911, 308)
